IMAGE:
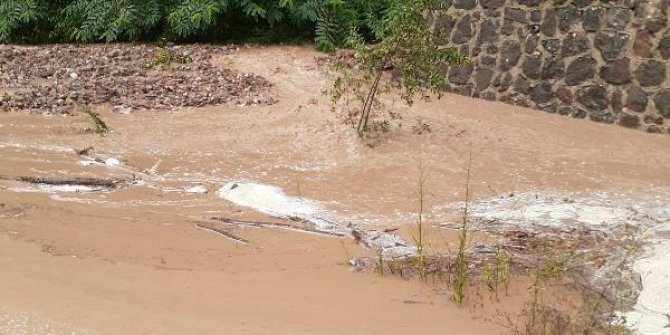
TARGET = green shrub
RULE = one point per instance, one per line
(404, 42)
(84, 21)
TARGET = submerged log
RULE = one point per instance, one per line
(223, 232)
(280, 225)
(80, 181)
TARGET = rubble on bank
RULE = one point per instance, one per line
(55, 79)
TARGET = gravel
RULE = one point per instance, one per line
(54, 79)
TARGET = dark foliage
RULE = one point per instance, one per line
(328, 22)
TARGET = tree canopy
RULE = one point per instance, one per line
(328, 22)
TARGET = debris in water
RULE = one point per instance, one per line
(272, 201)
(71, 184)
(110, 162)
(261, 224)
(196, 189)
(85, 151)
(223, 233)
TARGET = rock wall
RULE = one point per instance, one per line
(608, 61)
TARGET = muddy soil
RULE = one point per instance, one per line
(136, 259)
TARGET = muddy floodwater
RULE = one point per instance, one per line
(237, 218)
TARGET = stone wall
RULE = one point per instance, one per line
(608, 61)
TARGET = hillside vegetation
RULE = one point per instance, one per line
(328, 22)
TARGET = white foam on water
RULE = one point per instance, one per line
(273, 201)
(651, 313)
(66, 188)
(13, 322)
(557, 210)
(110, 162)
(196, 189)
(42, 147)
(71, 188)
(57, 189)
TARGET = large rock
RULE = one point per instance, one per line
(542, 93)
(483, 78)
(489, 61)
(664, 47)
(593, 97)
(554, 68)
(488, 95)
(637, 100)
(464, 50)
(531, 67)
(509, 54)
(643, 44)
(460, 75)
(548, 27)
(650, 119)
(463, 31)
(503, 81)
(616, 72)
(662, 102)
(529, 3)
(582, 3)
(443, 26)
(655, 130)
(492, 13)
(568, 17)
(616, 101)
(574, 44)
(580, 70)
(591, 19)
(565, 110)
(536, 15)
(618, 18)
(465, 4)
(488, 33)
(465, 90)
(515, 14)
(649, 8)
(650, 73)
(656, 24)
(611, 44)
(508, 28)
(564, 94)
(522, 85)
(492, 4)
(629, 121)
(532, 41)
(552, 46)
(602, 116)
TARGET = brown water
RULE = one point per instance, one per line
(133, 261)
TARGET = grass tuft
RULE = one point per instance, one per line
(100, 126)
(460, 279)
(420, 258)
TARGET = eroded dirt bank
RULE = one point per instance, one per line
(136, 259)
